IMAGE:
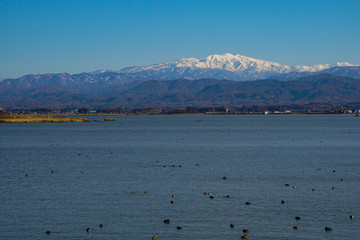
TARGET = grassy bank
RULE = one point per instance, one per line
(37, 118)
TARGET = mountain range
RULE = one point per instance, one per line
(216, 80)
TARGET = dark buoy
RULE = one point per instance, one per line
(172, 202)
(88, 229)
(287, 185)
(101, 225)
(246, 230)
(232, 226)
(26, 175)
(211, 197)
(334, 171)
(341, 179)
(48, 232)
(227, 196)
(178, 228)
(224, 178)
(167, 221)
(248, 203)
(328, 229)
(296, 227)
(282, 201)
(52, 171)
(297, 218)
(313, 189)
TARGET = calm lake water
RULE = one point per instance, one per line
(183, 155)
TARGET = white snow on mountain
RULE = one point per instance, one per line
(225, 66)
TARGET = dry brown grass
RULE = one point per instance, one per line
(37, 118)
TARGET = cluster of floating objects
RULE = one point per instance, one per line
(210, 194)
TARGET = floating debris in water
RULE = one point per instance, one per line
(154, 238)
(248, 203)
(246, 230)
(244, 236)
(296, 227)
(178, 228)
(48, 232)
(146, 192)
(282, 201)
(297, 218)
(26, 175)
(101, 225)
(351, 217)
(224, 178)
(88, 230)
(232, 226)
(167, 221)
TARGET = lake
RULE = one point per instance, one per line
(123, 174)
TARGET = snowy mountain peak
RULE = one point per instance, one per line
(224, 66)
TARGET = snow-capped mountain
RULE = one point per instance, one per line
(226, 66)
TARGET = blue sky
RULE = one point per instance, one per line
(80, 36)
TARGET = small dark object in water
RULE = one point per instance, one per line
(334, 171)
(227, 196)
(157, 161)
(197, 164)
(296, 227)
(287, 184)
(82, 172)
(328, 229)
(164, 166)
(318, 169)
(244, 236)
(167, 221)
(246, 230)
(26, 175)
(173, 166)
(48, 232)
(88, 229)
(351, 217)
(232, 226)
(154, 238)
(146, 192)
(173, 195)
(172, 202)
(248, 203)
(294, 187)
(101, 225)
(341, 179)
(297, 218)
(205, 193)
(211, 197)
(313, 189)
(333, 188)
(52, 171)
(224, 178)
(282, 201)
(178, 228)
(180, 166)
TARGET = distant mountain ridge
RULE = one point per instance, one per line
(319, 89)
(225, 66)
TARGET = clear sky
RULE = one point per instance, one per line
(81, 36)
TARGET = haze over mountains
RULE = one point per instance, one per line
(220, 80)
